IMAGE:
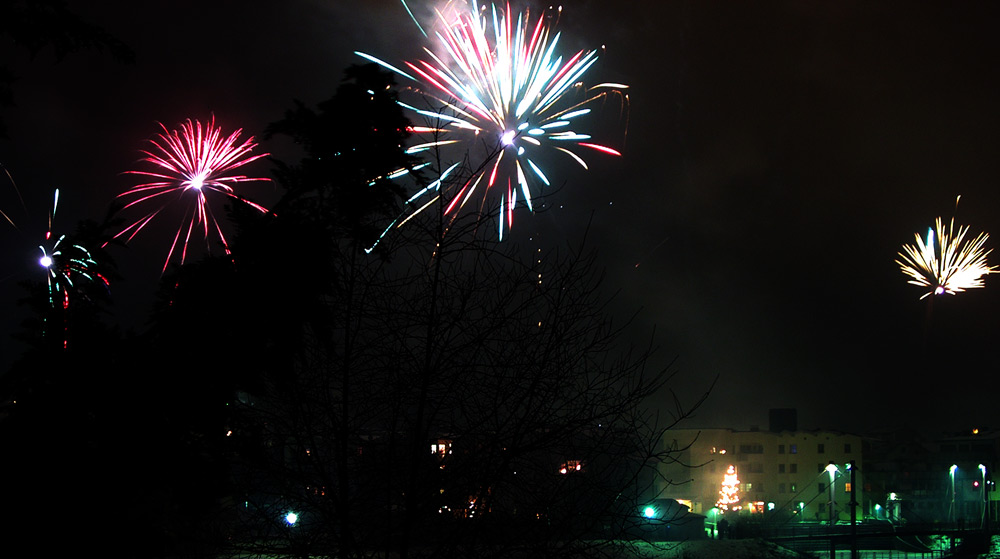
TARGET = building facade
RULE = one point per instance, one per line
(790, 472)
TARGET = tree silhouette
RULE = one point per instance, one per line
(448, 395)
(35, 25)
(352, 143)
(439, 399)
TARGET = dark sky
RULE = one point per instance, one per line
(778, 155)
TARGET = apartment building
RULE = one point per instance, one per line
(776, 470)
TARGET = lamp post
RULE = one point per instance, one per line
(832, 470)
(982, 490)
(951, 509)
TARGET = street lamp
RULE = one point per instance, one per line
(892, 506)
(982, 489)
(832, 470)
(951, 510)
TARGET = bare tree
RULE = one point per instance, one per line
(451, 400)
(448, 394)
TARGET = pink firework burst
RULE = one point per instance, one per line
(188, 165)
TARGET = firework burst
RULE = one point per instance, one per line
(498, 77)
(945, 262)
(189, 164)
(67, 264)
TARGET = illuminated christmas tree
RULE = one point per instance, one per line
(729, 497)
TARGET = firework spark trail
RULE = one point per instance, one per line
(190, 163)
(19, 197)
(945, 262)
(497, 75)
(413, 17)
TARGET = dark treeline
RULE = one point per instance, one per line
(442, 395)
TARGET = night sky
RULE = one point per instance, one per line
(777, 156)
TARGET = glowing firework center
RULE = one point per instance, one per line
(507, 138)
(197, 181)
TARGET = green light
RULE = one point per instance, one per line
(649, 512)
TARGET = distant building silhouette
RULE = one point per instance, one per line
(931, 478)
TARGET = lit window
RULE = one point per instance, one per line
(793, 449)
(441, 447)
(571, 466)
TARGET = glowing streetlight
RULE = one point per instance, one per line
(982, 489)
(832, 469)
(951, 473)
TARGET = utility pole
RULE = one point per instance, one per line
(854, 509)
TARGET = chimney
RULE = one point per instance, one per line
(783, 419)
